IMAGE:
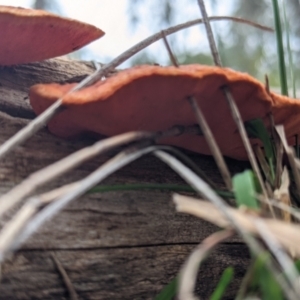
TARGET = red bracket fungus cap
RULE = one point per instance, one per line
(29, 35)
(155, 98)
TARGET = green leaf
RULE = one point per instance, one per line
(226, 278)
(280, 48)
(169, 291)
(245, 189)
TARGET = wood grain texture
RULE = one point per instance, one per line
(114, 245)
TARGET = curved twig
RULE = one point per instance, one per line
(188, 272)
(43, 118)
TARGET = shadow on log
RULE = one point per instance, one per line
(114, 245)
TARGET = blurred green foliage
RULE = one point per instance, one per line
(241, 47)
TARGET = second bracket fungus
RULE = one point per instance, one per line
(29, 35)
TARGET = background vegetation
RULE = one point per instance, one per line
(241, 47)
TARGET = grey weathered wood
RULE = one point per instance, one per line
(116, 245)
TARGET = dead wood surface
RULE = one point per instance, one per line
(114, 245)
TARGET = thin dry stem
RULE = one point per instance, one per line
(290, 154)
(39, 122)
(213, 146)
(188, 272)
(210, 35)
(67, 281)
(279, 156)
(263, 163)
(171, 55)
(242, 131)
(279, 151)
(282, 195)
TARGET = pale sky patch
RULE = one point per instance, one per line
(112, 17)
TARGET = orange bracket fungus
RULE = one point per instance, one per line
(155, 98)
(29, 35)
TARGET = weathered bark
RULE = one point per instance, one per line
(115, 245)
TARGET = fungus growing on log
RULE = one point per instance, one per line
(29, 35)
(155, 98)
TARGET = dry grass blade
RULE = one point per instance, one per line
(119, 161)
(290, 154)
(213, 146)
(279, 156)
(282, 206)
(279, 253)
(205, 190)
(35, 180)
(58, 168)
(47, 197)
(241, 128)
(43, 118)
(188, 273)
(52, 195)
(288, 235)
(14, 226)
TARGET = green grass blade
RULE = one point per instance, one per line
(245, 189)
(297, 265)
(151, 186)
(169, 291)
(289, 50)
(256, 129)
(268, 285)
(225, 280)
(280, 48)
(264, 280)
